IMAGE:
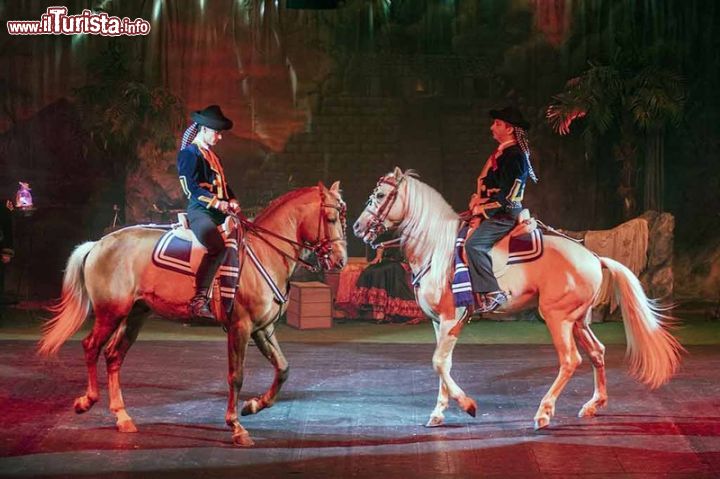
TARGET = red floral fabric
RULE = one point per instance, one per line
(379, 300)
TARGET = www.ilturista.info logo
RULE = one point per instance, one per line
(56, 21)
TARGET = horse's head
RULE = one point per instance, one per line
(324, 225)
(385, 208)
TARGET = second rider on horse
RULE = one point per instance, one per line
(210, 198)
(497, 202)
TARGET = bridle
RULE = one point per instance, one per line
(376, 225)
(321, 247)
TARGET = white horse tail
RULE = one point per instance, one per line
(70, 311)
(653, 352)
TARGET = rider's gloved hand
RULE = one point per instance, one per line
(234, 207)
(474, 201)
(223, 206)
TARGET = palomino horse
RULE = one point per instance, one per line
(111, 274)
(562, 284)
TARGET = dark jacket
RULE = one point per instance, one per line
(503, 188)
(204, 185)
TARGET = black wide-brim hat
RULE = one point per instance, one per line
(212, 117)
(512, 116)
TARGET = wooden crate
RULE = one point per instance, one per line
(310, 305)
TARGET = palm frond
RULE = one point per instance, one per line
(657, 99)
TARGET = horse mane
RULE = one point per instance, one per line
(281, 200)
(429, 231)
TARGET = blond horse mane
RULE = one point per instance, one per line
(280, 201)
(428, 232)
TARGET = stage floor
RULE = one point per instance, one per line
(354, 410)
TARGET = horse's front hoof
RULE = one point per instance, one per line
(541, 423)
(126, 426)
(435, 421)
(251, 406)
(469, 406)
(242, 439)
(83, 404)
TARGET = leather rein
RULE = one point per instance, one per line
(321, 247)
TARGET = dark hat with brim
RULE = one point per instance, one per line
(212, 117)
(512, 116)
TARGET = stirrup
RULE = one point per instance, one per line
(200, 308)
(491, 301)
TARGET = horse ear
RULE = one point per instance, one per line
(398, 172)
(335, 188)
(321, 185)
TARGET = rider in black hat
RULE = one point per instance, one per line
(497, 202)
(209, 197)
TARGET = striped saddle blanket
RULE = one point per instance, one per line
(512, 249)
(178, 250)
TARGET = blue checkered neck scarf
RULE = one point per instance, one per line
(189, 135)
(521, 137)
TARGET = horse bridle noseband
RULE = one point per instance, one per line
(376, 225)
(321, 247)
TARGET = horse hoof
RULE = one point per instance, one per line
(83, 404)
(587, 411)
(590, 408)
(126, 426)
(469, 406)
(242, 440)
(435, 421)
(251, 406)
(542, 423)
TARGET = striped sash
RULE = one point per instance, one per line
(461, 286)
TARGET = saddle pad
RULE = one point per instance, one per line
(175, 252)
(525, 248)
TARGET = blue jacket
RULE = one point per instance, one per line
(204, 184)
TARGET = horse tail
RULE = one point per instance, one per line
(653, 352)
(70, 311)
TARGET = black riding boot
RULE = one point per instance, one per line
(200, 303)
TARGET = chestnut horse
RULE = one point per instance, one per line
(563, 284)
(112, 274)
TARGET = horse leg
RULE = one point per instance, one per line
(437, 417)
(269, 347)
(115, 352)
(106, 322)
(449, 331)
(569, 358)
(238, 337)
(596, 351)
